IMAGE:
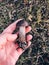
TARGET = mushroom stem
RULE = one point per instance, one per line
(22, 35)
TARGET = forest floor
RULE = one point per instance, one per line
(36, 13)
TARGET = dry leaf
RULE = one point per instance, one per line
(30, 17)
(25, 1)
(38, 16)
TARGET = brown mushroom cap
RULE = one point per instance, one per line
(22, 23)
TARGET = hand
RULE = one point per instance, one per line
(8, 53)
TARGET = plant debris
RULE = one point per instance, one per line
(36, 13)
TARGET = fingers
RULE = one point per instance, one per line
(11, 37)
(29, 37)
(20, 50)
(11, 27)
(28, 29)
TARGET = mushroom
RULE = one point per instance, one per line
(21, 25)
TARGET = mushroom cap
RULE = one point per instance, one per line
(22, 23)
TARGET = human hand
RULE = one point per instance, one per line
(8, 53)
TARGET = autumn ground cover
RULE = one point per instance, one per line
(36, 13)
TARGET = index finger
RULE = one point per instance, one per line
(11, 27)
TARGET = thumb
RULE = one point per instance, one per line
(11, 37)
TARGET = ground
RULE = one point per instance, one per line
(36, 13)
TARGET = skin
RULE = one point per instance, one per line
(8, 53)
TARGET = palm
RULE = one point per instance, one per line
(11, 53)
